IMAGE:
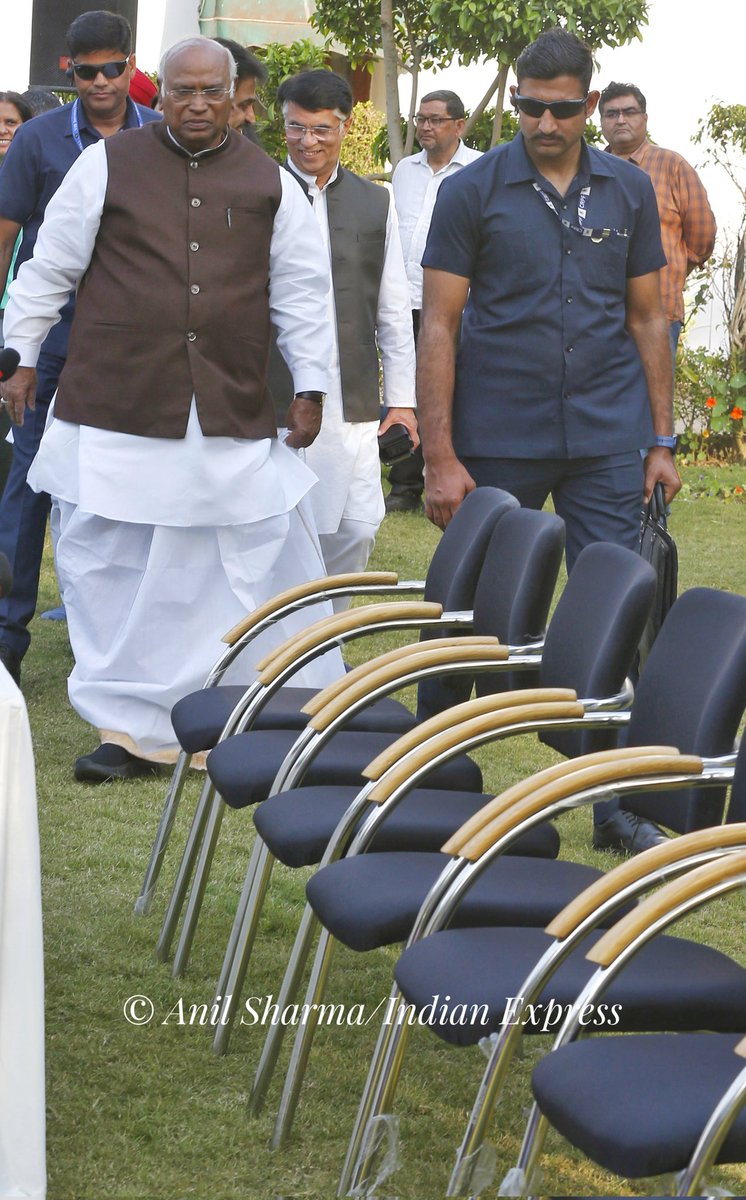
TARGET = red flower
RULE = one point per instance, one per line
(736, 413)
(738, 490)
(710, 401)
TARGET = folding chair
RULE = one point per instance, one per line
(646, 1105)
(205, 717)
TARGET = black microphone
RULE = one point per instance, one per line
(9, 360)
(6, 577)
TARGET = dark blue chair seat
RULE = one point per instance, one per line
(488, 966)
(298, 824)
(199, 718)
(372, 900)
(244, 767)
(637, 1105)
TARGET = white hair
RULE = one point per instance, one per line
(188, 43)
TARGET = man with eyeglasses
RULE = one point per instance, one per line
(688, 226)
(550, 250)
(249, 73)
(102, 63)
(439, 125)
(368, 314)
(179, 510)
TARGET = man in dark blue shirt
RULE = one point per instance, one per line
(100, 45)
(551, 251)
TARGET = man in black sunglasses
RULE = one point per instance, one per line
(100, 47)
(547, 254)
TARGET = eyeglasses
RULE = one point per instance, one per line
(110, 70)
(561, 110)
(213, 95)
(613, 114)
(436, 122)
(322, 133)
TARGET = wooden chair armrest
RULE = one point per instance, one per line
(451, 717)
(741, 1048)
(525, 788)
(340, 624)
(405, 665)
(451, 738)
(720, 837)
(328, 583)
(731, 868)
(332, 690)
(591, 777)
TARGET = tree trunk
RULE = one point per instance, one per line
(409, 140)
(476, 114)
(502, 77)
(390, 73)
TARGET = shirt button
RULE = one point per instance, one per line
(194, 289)
(569, 300)
(196, 203)
(194, 163)
(194, 245)
(191, 336)
(569, 349)
(568, 251)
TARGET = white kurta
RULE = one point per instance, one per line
(345, 454)
(165, 543)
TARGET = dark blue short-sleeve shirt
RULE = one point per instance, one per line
(546, 368)
(39, 157)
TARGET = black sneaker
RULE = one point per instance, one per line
(112, 762)
(625, 833)
(11, 660)
(403, 502)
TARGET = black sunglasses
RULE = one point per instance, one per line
(561, 110)
(110, 70)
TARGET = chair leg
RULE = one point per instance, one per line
(196, 895)
(483, 1108)
(244, 945)
(303, 1040)
(165, 825)
(186, 866)
(533, 1144)
(288, 992)
(230, 949)
(377, 1097)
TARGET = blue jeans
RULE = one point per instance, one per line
(23, 514)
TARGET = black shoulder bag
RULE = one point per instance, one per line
(659, 549)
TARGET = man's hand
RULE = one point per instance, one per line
(402, 416)
(447, 482)
(19, 392)
(660, 468)
(304, 423)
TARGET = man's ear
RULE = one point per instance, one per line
(347, 124)
(591, 102)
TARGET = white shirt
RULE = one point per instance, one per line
(416, 186)
(345, 454)
(171, 481)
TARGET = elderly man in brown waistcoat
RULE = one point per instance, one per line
(179, 508)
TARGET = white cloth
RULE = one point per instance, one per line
(347, 550)
(22, 1109)
(345, 454)
(166, 543)
(416, 187)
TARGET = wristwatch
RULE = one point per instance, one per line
(317, 397)
(670, 443)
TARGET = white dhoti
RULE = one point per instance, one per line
(164, 545)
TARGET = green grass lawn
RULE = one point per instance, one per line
(143, 1112)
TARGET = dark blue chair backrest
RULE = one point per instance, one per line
(692, 695)
(594, 633)
(737, 802)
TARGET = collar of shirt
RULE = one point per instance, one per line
(520, 169)
(130, 120)
(310, 180)
(200, 153)
(637, 156)
(461, 156)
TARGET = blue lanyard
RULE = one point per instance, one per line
(75, 123)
